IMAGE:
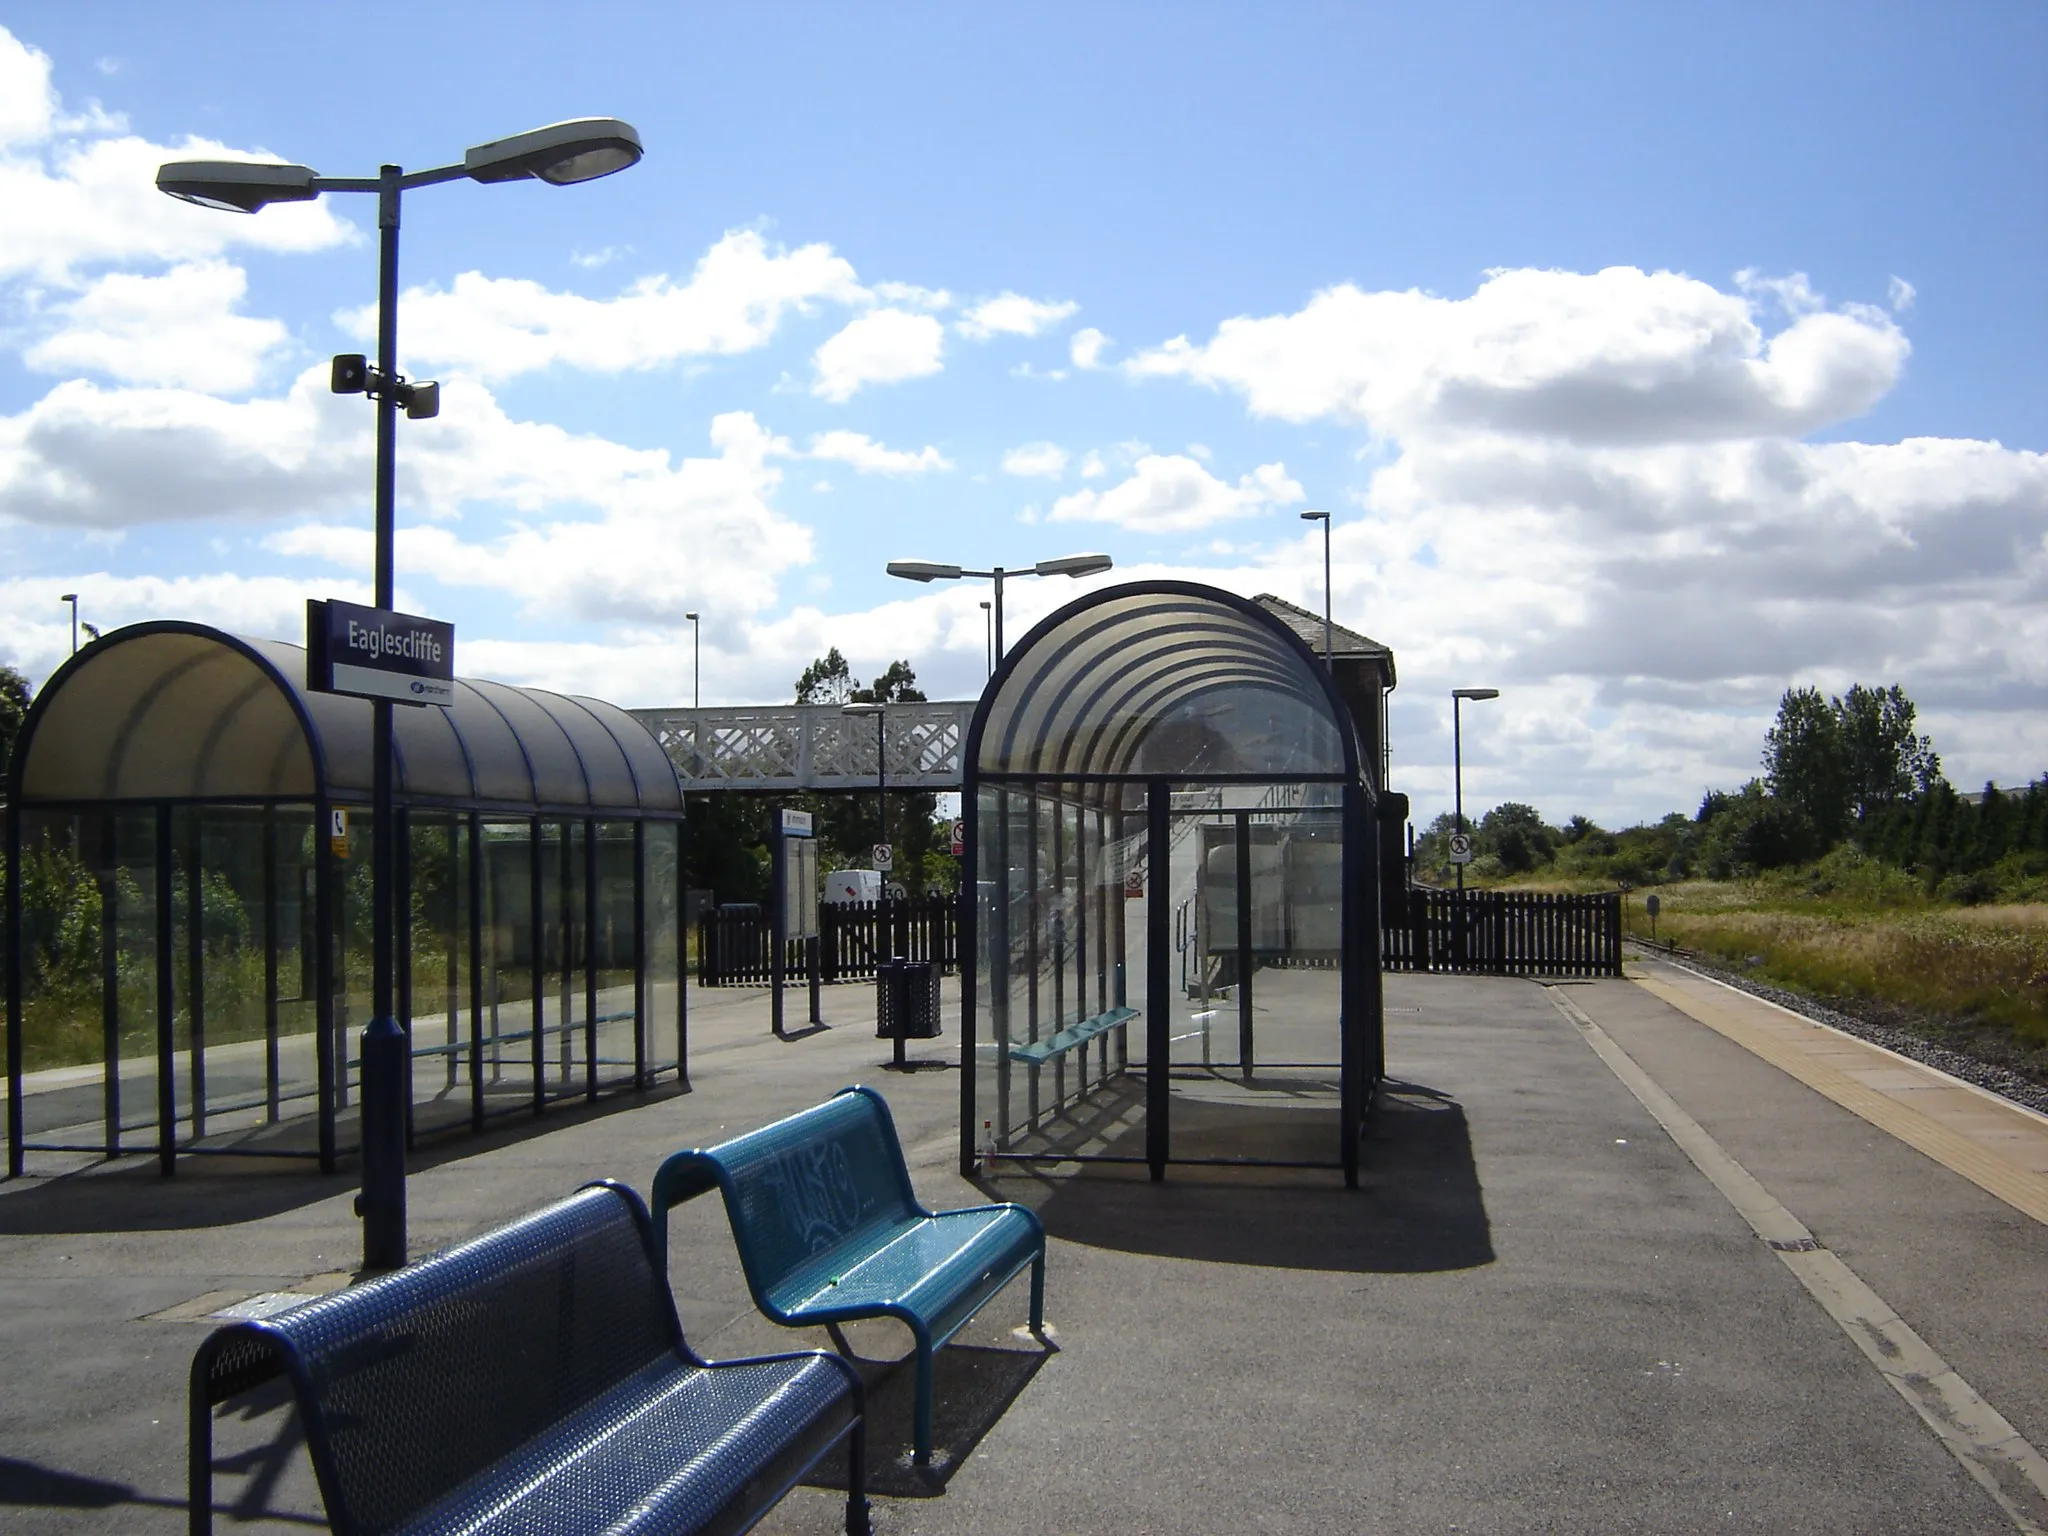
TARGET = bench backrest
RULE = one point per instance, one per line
(419, 1380)
(805, 1188)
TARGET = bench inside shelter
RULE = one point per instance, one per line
(534, 1379)
(830, 1231)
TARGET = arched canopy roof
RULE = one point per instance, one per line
(177, 711)
(1168, 678)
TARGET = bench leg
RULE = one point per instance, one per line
(924, 1403)
(199, 1467)
(857, 1477)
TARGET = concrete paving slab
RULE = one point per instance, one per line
(1536, 1315)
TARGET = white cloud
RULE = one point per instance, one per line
(1011, 314)
(590, 261)
(1618, 356)
(911, 296)
(1899, 294)
(1046, 461)
(1092, 465)
(663, 538)
(737, 296)
(35, 629)
(80, 189)
(1167, 493)
(1085, 347)
(884, 346)
(869, 457)
(179, 328)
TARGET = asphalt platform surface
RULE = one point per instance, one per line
(1536, 1315)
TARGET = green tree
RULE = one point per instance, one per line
(847, 824)
(1883, 761)
(1514, 834)
(828, 680)
(1805, 764)
(14, 699)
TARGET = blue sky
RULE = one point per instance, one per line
(1648, 363)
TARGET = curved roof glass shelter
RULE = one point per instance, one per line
(177, 711)
(1168, 815)
(188, 836)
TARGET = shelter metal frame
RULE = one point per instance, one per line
(179, 752)
(1087, 749)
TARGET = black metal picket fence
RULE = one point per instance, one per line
(735, 946)
(1504, 933)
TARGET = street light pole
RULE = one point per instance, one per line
(72, 599)
(561, 154)
(1458, 697)
(989, 642)
(1329, 646)
(696, 662)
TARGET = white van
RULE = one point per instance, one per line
(855, 887)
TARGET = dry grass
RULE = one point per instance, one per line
(1987, 964)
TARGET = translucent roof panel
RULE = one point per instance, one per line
(178, 711)
(1163, 678)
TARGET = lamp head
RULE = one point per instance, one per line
(560, 154)
(1475, 693)
(923, 570)
(691, 617)
(1074, 565)
(1315, 517)
(239, 186)
(860, 709)
(68, 597)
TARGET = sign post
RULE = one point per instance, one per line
(388, 658)
(885, 857)
(793, 907)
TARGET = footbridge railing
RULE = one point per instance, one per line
(782, 747)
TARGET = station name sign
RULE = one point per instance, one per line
(373, 653)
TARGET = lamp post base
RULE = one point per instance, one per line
(382, 1201)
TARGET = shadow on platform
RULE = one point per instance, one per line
(972, 1387)
(1418, 1210)
(211, 1189)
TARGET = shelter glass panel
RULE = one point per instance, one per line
(438, 1012)
(663, 945)
(612, 951)
(506, 985)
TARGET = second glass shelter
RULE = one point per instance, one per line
(1173, 923)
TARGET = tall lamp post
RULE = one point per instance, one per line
(1458, 697)
(72, 599)
(1329, 646)
(696, 662)
(1065, 565)
(561, 154)
(988, 641)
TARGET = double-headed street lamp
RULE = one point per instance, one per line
(561, 154)
(1065, 565)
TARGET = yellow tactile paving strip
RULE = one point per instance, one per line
(1999, 1147)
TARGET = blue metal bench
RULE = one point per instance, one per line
(829, 1231)
(534, 1380)
(1042, 1051)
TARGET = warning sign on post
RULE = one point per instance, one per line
(885, 857)
(959, 838)
(1461, 848)
(337, 832)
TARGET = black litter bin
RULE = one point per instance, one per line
(906, 1002)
